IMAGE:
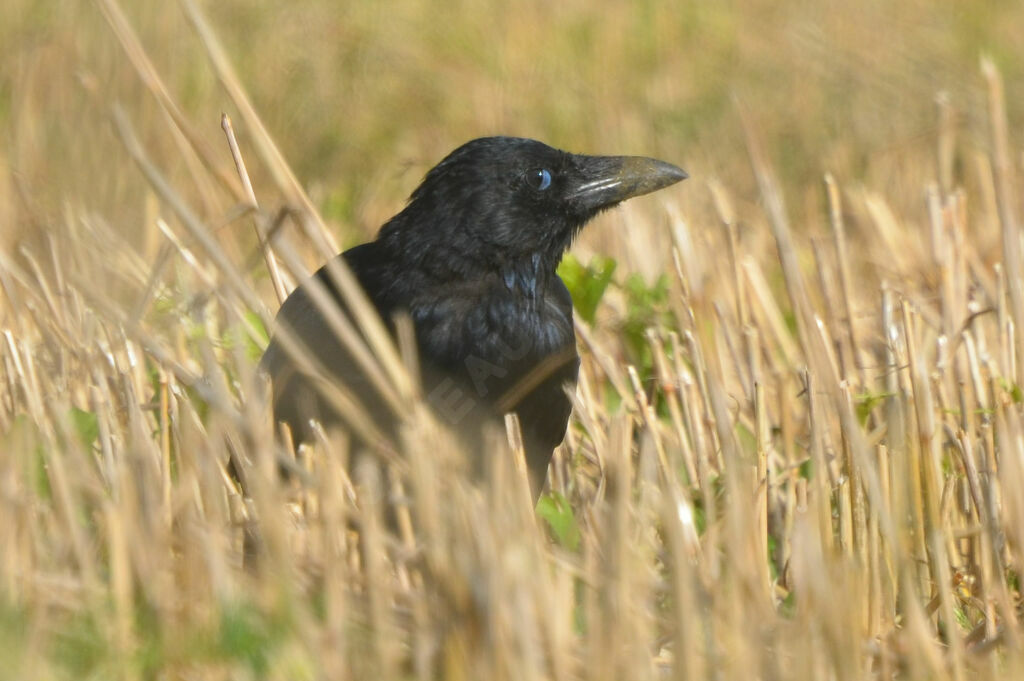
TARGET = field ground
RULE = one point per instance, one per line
(797, 449)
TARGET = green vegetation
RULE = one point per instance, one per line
(797, 443)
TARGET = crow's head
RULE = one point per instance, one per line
(497, 200)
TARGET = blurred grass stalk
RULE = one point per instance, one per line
(807, 481)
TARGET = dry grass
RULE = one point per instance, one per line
(797, 459)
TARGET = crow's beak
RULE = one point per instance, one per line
(607, 180)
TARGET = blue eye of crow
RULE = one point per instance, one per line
(539, 179)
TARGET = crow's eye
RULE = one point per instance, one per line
(539, 179)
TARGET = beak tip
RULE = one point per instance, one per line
(673, 173)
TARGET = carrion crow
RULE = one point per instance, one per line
(471, 260)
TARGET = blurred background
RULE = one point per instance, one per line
(362, 97)
(127, 343)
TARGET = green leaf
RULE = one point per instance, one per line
(239, 334)
(962, 619)
(80, 646)
(86, 425)
(556, 510)
(866, 403)
(245, 634)
(586, 283)
(646, 306)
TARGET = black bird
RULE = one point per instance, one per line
(471, 259)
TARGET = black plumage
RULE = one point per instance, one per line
(471, 259)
